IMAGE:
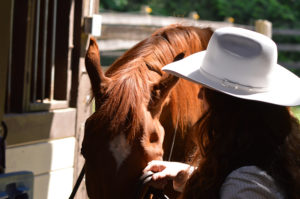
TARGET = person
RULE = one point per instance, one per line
(248, 141)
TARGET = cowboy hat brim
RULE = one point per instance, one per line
(283, 88)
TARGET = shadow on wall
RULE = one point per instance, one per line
(43, 143)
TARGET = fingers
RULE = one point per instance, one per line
(164, 175)
(164, 171)
(155, 166)
(158, 179)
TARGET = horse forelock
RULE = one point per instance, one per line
(124, 96)
(132, 75)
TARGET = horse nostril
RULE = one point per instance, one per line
(153, 137)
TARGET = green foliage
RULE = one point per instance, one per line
(296, 111)
(245, 12)
(179, 8)
(114, 4)
(121, 5)
(282, 13)
(285, 56)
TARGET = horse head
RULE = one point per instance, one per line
(127, 129)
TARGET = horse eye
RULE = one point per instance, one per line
(179, 56)
(153, 137)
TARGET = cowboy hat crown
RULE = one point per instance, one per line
(241, 63)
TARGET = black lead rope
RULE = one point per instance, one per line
(79, 179)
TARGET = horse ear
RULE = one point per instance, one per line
(98, 79)
(160, 91)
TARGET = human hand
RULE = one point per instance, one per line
(164, 170)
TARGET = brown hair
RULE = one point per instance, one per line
(235, 132)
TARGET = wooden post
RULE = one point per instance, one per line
(263, 27)
(83, 106)
(6, 17)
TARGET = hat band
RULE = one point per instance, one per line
(234, 85)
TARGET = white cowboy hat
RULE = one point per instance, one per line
(241, 63)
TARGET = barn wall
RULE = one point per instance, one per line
(51, 163)
(44, 136)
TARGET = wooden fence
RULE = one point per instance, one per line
(288, 47)
(121, 31)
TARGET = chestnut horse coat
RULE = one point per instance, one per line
(138, 109)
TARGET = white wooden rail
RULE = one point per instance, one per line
(120, 31)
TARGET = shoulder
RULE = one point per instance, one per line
(249, 182)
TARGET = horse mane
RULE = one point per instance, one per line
(137, 69)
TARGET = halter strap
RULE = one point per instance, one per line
(173, 140)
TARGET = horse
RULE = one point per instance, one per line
(139, 109)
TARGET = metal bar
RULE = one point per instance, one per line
(9, 73)
(54, 11)
(36, 50)
(8, 87)
(32, 5)
(6, 22)
(44, 50)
